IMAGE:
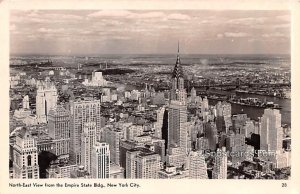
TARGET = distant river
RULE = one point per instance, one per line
(252, 112)
(255, 112)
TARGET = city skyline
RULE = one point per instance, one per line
(84, 117)
(118, 135)
(66, 32)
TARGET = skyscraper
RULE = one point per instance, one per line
(177, 119)
(25, 154)
(223, 116)
(178, 91)
(197, 166)
(82, 111)
(177, 128)
(210, 132)
(142, 164)
(159, 122)
(59, 129)
(46, 98)
(271, 131)
(100, 161)
(220, 167)
(88, 140)
(112, 136)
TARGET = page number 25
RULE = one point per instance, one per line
(283, 184)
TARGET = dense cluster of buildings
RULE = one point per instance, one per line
(144, 134)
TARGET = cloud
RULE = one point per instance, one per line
(110, 13)
(253, 40)
(220, 35)
(276, 34)
(285, 18)
(138, 15)
(151, 15)
(235, 34)
(111, 28)
(283, 25)
(125, 14)
(178, 16)
(247, 21)
(121, 38)
(50, 30)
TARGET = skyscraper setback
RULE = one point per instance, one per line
(177, 119)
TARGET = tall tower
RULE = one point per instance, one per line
(177, 119)
(82, 112)
(25, 164)
(271, 131)
(100, 161)
(46, 98)
(59, 129)
(177, 125)
(178, 91)
(88, 140)
(220, 167)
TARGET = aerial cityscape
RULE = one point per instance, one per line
(158, 112)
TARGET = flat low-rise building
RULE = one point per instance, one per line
(171, 172)
(116, 171)
(61, 170)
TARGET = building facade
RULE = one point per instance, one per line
(46, 99)
(25, 155)
(100, 168)
(82, 111)
(59, 129)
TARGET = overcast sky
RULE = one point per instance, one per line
(149, 32)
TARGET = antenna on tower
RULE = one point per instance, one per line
(178, 47)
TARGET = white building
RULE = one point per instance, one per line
(112, 136)
(25, 154)
(197, 166)
(142, 164)
(25, 111)
(59, 130)
(159, 122)
(177, 125)
(46, 99)
(220, 167)
(88, 141)
(100, 161)
(82, 111)
(271, 131)
(97, 80)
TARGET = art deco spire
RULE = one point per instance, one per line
(177, 72)
(178, 58)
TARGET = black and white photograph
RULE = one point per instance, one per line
(150, 94)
